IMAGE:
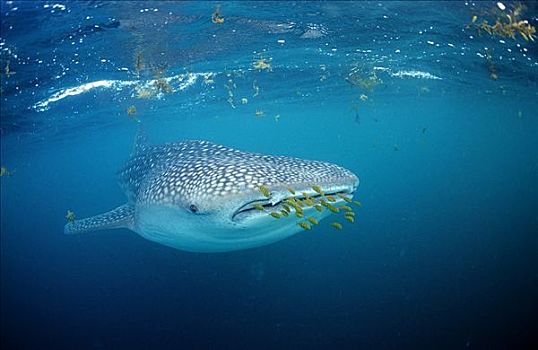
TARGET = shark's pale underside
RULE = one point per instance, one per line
(201, 196)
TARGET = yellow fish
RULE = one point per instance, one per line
(318, 189)
(346, 208)
(259, 206)
(304, 225)
(336, 225)
(347, 199)
(275, 215)
(312, 220)
(264, 190)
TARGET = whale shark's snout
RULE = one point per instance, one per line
(199, 196)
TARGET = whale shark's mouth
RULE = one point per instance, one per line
(266, 205)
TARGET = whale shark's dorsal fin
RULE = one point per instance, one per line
(121, 217)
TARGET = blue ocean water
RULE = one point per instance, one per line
(437, 119)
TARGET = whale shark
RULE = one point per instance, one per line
(204, 197)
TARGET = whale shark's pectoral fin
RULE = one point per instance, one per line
(121, 217)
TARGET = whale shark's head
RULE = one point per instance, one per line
(205, 197)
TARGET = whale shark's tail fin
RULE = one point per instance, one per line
(121, 217)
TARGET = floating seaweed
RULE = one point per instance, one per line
(263, 64)
(4, 171)
(138, 62)
(363, 78)
(506, 25)
(163, 86)
(70, 216)
(131, 110)
(144, 93)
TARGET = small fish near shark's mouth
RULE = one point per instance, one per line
(297, 202)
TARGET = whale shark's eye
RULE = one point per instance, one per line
(193, 208)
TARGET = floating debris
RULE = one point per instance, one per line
(131, 110)
(138, 62)
(491, 66)
(256, 88)
(8, 72)
(324, 74)
(357, 115)
(70, 216)
(263, 64)
(363, 97)
(216, 17)
(208, 80)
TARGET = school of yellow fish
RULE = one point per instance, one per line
(295, 206)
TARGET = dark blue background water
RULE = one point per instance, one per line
(444, 253)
